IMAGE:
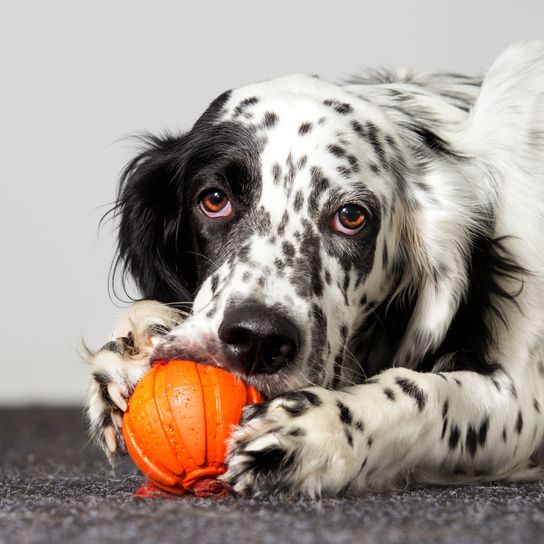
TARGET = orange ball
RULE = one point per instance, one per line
(179, 419)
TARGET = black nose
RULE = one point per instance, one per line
(257, 339)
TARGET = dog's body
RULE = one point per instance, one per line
(321, 235)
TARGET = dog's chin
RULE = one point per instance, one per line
(210, 352)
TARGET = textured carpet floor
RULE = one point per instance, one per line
(55, 488)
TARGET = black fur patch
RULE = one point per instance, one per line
(454, 437)
(270, 119)
(412, 390)
(160, 235)
(389, 393)
(340, 107)
(243, 106)
(270, 460)
(101, 378)
(298, 402)
(114, 345)
(470, 334)
(305, 128)
(345, 413)
(482, 432)
(252, 411)
(519, 422)
(471, 440)
(299, 201)
(444, 428)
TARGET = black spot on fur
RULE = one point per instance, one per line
(519, 422)
(252, 411)
(101, 378)
(345, 413)
(372, 134)
(482, 433)
(433, 141)
(288, 249)
(276, 173)
(513, 391)
(319, 185)
(358, 128)
(444, 428)
(299, 201)
(454, 437)
(336, 150)
(298, 402)
(264, 222)
(385, 258)
(214, 283)
(114, 345)
(349, 437)
(305, 128)
(389, 393)
(340, 107)
(244, 105)
(270, 119)
(279, 263)
(471, 440)
(536, 404)
(412, 390)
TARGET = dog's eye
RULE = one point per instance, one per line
(349, 219)
(214, 203)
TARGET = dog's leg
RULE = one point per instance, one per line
(399, 427)
(118, 366)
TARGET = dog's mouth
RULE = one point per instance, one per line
(270, 382)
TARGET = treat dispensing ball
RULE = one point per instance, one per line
(178, 421)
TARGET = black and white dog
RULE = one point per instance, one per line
(369, 255)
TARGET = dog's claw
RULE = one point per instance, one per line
(116, 397)
(109, 437)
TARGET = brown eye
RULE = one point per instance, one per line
(349, 219)
(214, 203)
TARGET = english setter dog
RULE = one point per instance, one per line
(369, 255)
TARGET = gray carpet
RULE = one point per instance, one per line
(54, 487)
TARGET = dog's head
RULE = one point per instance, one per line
(286, 218)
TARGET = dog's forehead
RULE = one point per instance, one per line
(310, 129)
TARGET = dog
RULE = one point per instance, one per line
(368, 255)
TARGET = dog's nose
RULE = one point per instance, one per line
(257, 339)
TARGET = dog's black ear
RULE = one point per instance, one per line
(150, 211)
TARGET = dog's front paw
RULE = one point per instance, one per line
(305, 442)
(118, 366)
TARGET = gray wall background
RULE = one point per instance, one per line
(76, 77)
